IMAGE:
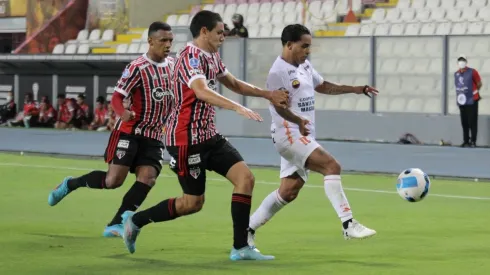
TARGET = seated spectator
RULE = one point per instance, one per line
(239, 30)
(47, 114)
(63, 113)
(8, 110)
(75, 114)
(86, 116)
(100, 112)
(29, 116)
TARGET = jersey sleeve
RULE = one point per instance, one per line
(317, 78)
(275, 81)
(476, 76)
(222, 70)
(130, 79)
(190, 68)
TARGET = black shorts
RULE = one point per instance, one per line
(190, 162)
(133, 151)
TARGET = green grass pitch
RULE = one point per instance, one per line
(447, 233)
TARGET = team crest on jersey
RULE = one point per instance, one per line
(158, 94)
(195, 172)
(295, 84)
(194, 62)
(126, 73)
(120, 154)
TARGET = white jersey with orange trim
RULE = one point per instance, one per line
(300, 82)
(293, 147)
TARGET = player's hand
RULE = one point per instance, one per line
(366, 90)
(303, 127)
(280, 98)
(246, 112)
(128, 115)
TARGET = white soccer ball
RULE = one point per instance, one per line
(413, 184)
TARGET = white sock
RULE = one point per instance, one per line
(268, 208)
(336, 195)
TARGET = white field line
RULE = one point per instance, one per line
(257, 181)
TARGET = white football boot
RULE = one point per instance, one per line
(355, 230)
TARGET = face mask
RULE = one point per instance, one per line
(462, 64)
(9, 98)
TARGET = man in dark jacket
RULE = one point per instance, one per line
(239, 30)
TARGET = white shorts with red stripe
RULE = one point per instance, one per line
(294, 149)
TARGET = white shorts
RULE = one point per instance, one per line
(294, 150)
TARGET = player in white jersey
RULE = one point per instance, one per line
(293, 134)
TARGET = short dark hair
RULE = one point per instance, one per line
(61, 96)
(81, 96)
(293, 33)
(100, 99)
(157, 26)
(202, 19)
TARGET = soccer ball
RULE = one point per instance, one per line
(413, 184)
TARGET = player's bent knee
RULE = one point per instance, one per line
(150, 181)
(113, 182)
(333, 167)
(247, 181)
(191, 205)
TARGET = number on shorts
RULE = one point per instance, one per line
(304, 140)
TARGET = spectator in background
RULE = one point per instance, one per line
(63, 113)
(47, 113)
(8, 110)
(468, 83)
(100, 121)
(76, 114)
(239, 29)
(29, 116)
(85, 110)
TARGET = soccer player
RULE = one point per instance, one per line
(136, 143)
(293, 134)
(194, 143)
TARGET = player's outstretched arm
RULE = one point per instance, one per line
(328, 88)
(288, 115)
(205, 94)
(278, 98)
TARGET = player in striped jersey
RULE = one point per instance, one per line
(135, 144)
(194, 143)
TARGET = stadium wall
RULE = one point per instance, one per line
(359, 157)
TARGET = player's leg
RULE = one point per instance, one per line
(119, 154)
(226, 161)
(322, 162)
(148, 163)
(287, 192)
(192, 178)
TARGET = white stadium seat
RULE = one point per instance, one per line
(108, 35)
(438, 14)
(382, 30)
(412, 29)
(265, 7)
(459, 28)
(393, 15)
(462, 3)
(58, 49)
(418, 4)
(133, 48)
(432, 4)
(353, 30)
(422, 15)
(122, 48)
(94, 35)
(219, 8)
(71, 49)
(444, 28)
(366, 30)
(453, 15)
(279, 6)
(403, 4)
(183, 20)
(378, 15)
(448, 4)
(83, 49)
(469, 14)
(242, 9)
(428, 29)
(172, 19)
(478, 3)
(407, 15)
(484, 14)
(397, 29)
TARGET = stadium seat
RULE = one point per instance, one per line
(277, 31)
(459, 28)
(253, 9)
(253, 31)
(469, 14)
(172, 20)
(438, 15)
(71, 49)
(428, 29)
(366, 30)
(403, 4)
(315, 8)
(407, 15)
(444, 28)
(382, 30)
(432, 4)
(484, 14)
(122, 48)
(58, 49)
(353, 30)
(108, 35)
(397, 29)
(412, 29)
(419, 4)
(290, 18)
(94, 35)
(230, 10)
(448, 4)
(242, 9)
(208, 7)
(183, 20)
(82, 37)
(251, 20)
(479, 3)
(393, 16)
(453, 15)
(133, 48)
(422, 15)
(378, 15)
(83, 49)
(219, 8)
(265, 31)
(144, 48)
(265, 7)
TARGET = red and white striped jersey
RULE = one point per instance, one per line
(149, 85)
(192, 120)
